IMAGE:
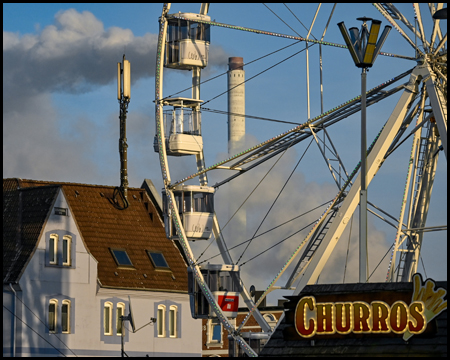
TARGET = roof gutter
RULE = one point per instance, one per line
(143, 289)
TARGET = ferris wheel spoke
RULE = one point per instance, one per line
(436, 28)
(420, 23)
(299, 38)
(389, 17)
(275, 145)
(440, 45)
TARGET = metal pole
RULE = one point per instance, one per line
(363, 194)
(121, 337)
(123, 148)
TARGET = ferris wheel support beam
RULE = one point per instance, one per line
(420, 206)
(438, 102)
(374, 161)
(410, 174)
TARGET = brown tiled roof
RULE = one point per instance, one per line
(135, 229)
(24, 214)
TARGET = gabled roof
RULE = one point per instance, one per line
(102, 226)
(25, 212)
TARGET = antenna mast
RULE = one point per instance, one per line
(123, 95)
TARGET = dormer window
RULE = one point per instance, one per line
(158, 260)
(121, 257)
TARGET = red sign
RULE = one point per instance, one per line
(228, 302)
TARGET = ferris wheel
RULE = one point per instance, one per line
(189, 209)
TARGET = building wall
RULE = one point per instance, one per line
(78, 283)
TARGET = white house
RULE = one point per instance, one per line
(72, 259)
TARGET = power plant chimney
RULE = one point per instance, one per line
(236, 135)
(236, 103)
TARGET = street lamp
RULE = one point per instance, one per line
(364, 49)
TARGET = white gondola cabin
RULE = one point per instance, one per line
(187, 43)
(182, 127)
(196, 209)
(224, 283)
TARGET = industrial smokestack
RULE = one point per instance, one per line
(236, 135)
(236, 103)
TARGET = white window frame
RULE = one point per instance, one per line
(66, 302)
(69, 248)
(120, 306)
(173, 317)
(107, 330)
(161, 321)
(210, 341)
(53, 251)
(55, 318)
(271, 320)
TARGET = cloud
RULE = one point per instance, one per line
(74, 56)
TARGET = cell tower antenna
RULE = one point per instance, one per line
(123, 95)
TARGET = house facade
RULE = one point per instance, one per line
(75, 262)
(215, 341)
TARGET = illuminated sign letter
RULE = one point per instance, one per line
(380, 314)
(361, 313)
(301, 318)
(343, 311)
(416, 310)
(399, 317)
(325, 316)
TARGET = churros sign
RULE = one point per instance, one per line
(361, 317)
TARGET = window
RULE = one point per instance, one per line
(65, 316)
(217, 333)
(53, 249)
(271, 320)
(161, 320)
(173, 321)
(67, 240)
(60, 211)
(120, 311)
(158, 260)
(107, 318)
(214, 333)
(121, 257)
(52, 307)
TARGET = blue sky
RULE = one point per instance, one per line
(60, 113)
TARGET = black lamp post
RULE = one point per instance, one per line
(364, 49)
